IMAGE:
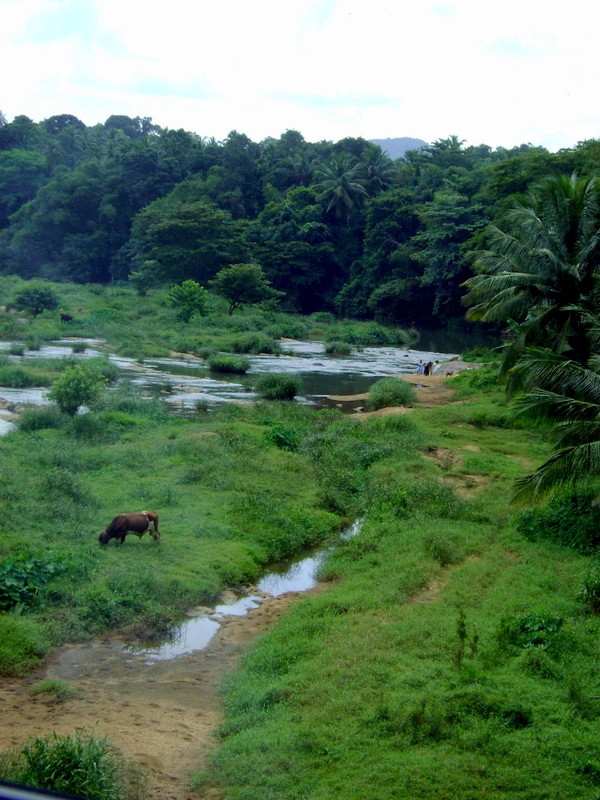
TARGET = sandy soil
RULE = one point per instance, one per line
(164, 714)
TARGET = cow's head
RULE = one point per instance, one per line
(103, 537)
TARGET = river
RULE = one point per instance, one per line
(185, 381)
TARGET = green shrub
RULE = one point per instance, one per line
(278, 387)
(22, 644)
(284, 436)
(16, 349)
(338, 348)
(589, 591)
(79, 347)
(15, 377)
(475, 381)
(529, 630)
(35, 419)
(571, 519)
(390, 392)
(33, 343)
(77, 385)
(23, 580)
(227, 363)
(255, 343)
(76, 764)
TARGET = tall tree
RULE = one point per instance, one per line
(339, 186)
(541, 270)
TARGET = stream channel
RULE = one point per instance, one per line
(184, 381)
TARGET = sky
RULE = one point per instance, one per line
(501, 72)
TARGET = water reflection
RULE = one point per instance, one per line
(195, 632)
(186, 381)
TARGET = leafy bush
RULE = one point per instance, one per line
(390, 392)
(529, 630)
(227, 363)
(35, 419)
(589, 591)
(572, 520)
(35, 297)
(75, 764)
(278, 387)
(284, 436)
(15, 377)
(23, 580)
(77, 385)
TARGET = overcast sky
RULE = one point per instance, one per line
(501, 72)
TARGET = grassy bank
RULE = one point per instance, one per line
(145, 327)
(450, 658)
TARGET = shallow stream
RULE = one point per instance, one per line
(184, 381)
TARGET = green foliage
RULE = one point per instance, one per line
(76, 386)
(570, 519)
(338, 348)
(35, 297)
(16, 377)
(254, 343)
(77, 764)
(278, 387)
(589, 591)
(34, 419)
(189, 299)
(529, 630)
(243, 284)
(388, 392)
(220, 362)
(476, 381)
(24, 579)
(23, 644)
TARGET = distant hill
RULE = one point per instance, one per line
(396, 148)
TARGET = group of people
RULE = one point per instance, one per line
(425, 369)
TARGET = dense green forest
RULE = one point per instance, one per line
(335, 226)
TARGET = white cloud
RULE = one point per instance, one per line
(499, 73)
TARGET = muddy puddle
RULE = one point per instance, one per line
(198, 628)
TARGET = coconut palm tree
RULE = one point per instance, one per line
(566, 399)
(540, 272)
(340, 185)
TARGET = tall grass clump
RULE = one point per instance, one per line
(221, 362)
(77, 764)
(278, 387)
(254, 343)
(23, 644)
(338, 348)
(389, 392)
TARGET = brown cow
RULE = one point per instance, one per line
(138, 523)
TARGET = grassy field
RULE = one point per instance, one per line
(450, 658)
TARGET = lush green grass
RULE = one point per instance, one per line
(451, 657)
(147, 327)
(389, 392)
(78, 765)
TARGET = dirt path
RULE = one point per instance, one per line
(162, 714)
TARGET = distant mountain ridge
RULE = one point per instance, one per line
(396, 148)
